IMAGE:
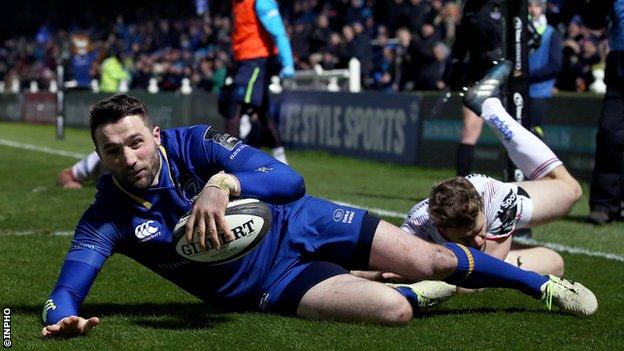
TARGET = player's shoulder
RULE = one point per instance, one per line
(420, 208)
(419, 214)
(198, 133)
(180, 134)
(483, 182)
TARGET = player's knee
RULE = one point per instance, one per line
(441, 263)
(558, 265)
(577, 190)
(396, 310)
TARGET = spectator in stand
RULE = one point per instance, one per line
(431, 71)
(363, 50)
(83, 59)
(396, 14)
(589, 57)
(320, 33)
(416, 11)
(300, 43)
(544, 65)
(112, 72)
(406, 58)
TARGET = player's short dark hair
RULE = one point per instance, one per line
(113, 109)
(454, 203)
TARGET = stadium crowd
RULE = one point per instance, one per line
(402, 45)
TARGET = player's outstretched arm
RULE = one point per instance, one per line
(60, 311)
(69, 327)
(67, 181)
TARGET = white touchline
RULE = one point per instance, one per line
(43, 149)
(379, 211)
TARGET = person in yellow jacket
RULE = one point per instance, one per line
(112, 73)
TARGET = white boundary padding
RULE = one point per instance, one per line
(355, 69)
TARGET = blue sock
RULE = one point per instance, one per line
(409, 294)
(476, 269)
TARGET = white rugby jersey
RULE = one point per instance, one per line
(89, 168)
(505, 210)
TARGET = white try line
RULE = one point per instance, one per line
(571, 249)
(379, 211)
(42, 149)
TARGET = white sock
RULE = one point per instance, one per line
(280, 154)
(526, 150)
(244, 126)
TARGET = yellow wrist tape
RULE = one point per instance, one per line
(224, 182)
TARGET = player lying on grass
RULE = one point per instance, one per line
(302, 265)
(88, 168)
(482, 212)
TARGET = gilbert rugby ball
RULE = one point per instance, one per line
(248, 219)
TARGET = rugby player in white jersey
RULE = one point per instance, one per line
(482, 212)
(88, 168)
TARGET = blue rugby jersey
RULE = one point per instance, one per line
(139, 222)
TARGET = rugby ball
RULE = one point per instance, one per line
(248, 219)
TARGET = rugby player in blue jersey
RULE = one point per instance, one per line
(302, 265)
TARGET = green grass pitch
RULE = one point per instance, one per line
(141, 311)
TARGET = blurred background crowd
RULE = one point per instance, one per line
(402, 45)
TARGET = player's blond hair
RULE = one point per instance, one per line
(454, 203)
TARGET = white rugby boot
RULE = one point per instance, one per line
(428, 292)
(571, 297)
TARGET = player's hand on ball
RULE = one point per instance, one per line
(208, 217)
(70, 326)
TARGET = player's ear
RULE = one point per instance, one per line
(156, 135)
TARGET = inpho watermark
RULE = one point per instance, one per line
(6, 328)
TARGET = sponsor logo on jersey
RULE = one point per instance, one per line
(48, 306)
(146, 231)
(227, 141)
(264, 169)
(344, 216)
(505, 219)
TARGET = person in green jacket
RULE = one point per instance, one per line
(112, 73)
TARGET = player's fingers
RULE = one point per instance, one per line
(224, 228)
(90, 324)
(190, 225)
(393, 277)
(200, 231)
(213, 233)
(65, 323)
(50, 330)
(370, 275)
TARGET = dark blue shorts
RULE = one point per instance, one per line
(323, 239)
(251, 81)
